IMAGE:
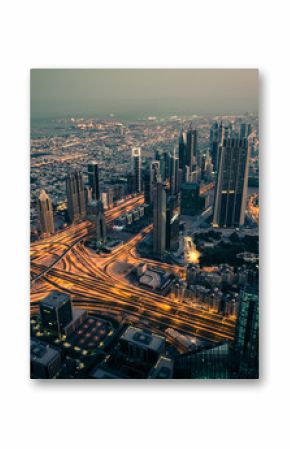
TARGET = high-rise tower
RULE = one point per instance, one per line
(182, 149)
(246, 344)
(100, 222)
(231, 189)
(191, 148)
(154, 176)
(136, 169)
(45, 213)
(174, 173)
(159, 218)
(76, 201)
(93, 179)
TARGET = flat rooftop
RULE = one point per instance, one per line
(55, 299)
(145, 339)
(42, 352)
(163, 369)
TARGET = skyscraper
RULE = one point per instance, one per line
(93, 179)
(45, 213)
(172, 223)
(191, 148)
(159, 218)
(245, 130)
(182, 150)
(214, 144)
(154, 175)
(191, 201)
(100, 222)
(231, 189)
(136, 169)
(76, 201)
(218, 133)
(246, 344)
(146, 185)
(56, 311)
(174, 173)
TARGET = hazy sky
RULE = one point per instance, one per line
(76, 92)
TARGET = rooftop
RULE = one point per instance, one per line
(55, 299)
(42, 352)
(143, 338)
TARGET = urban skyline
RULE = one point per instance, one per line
(144, 238)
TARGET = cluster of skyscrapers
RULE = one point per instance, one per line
(171, 185)
(82, 201)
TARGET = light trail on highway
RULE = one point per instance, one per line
(87, 278)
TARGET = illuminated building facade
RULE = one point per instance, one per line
(45, 213)
(76, 200)
(231, 189)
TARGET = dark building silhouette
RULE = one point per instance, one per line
(45, 361)
(172, 223)
(232, 180)
(182, 150)
(76, 200)
(136, 169)
(191, 201)
(174, 173)
(159, 218)
(192, 158)
(209, 362)
(100, 222)
(93, 180)
(56, 311)
(246, 344)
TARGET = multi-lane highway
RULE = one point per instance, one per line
(63, 262)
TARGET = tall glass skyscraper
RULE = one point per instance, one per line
(76, 200)
(136, 169)
(231, 189)
(159, 219)
(93, 179)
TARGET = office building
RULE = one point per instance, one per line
(154, 175)
(214, 144)
(142, 345)
(246, 344)
(76, 200)
(232, 181)
(93, 179)
(45, 361)
(56, 312)
(209, 362)
(182, 150)
(45, 214)
(191, 201)
(146, 185)
(172, 223)
(136, 169)
(163, 369)
(218, 132)
(174, 173)
(191, 158)
(100, 222)
(159, 219)
(245, 130)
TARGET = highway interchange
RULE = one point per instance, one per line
(62, 262)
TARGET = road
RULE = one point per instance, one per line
(87, 277)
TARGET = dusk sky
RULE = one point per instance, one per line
(130, 92)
